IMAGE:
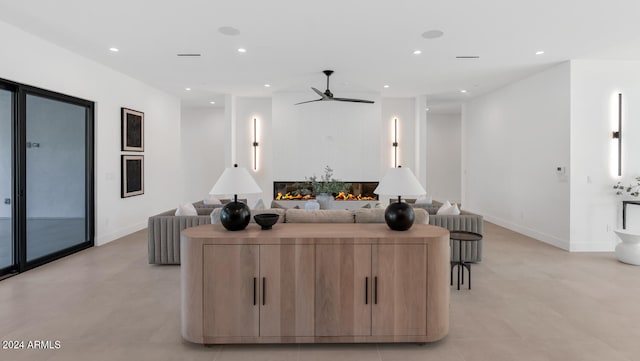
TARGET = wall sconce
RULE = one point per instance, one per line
(255, 145)
(618, 134)
(395, 142)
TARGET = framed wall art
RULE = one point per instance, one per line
(132, 130)
(132, 175)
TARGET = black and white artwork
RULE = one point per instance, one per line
(132, 130)
(132, 175)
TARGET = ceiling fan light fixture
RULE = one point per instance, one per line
(328, 95)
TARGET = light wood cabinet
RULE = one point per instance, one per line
(343, 290)
(258, 290)
(230, 296)
(371, 290)
(287, 290)
(315, 283)
(399, 290)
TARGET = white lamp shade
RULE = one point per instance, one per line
(400, 182)
(235, 180)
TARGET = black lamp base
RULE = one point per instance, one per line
(399, 216)
(235, 216)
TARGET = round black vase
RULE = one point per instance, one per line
(235, 216)
(399, 216)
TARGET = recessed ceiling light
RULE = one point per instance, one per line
(463, 91)
(212, 102)
(115, 50)
(228, 30)
(427, 109)
(386, 86)
(417, 52)
(267, 85)
(539, 52)
(242, 50)
(432, 34)
(187, 89)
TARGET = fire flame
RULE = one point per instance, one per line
(340, 197)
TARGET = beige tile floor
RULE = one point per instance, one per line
(529, 301)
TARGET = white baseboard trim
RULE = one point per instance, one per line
(552, 240)
(112, 236)
(592, 247)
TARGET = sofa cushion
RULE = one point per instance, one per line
(449, 209)
(319, 216)
(372, 215)
(186, 210)
(376, 215)
(211, 200)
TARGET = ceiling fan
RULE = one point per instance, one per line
(328, 95)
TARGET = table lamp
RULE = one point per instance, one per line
(235, 216)
(401, 182)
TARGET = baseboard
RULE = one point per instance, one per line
(543, 237)
(112, 236)
(592, 247)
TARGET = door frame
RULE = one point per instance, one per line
(18, 160)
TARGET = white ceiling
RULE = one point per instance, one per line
(367, 43)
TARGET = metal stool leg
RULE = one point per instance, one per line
(451, 264)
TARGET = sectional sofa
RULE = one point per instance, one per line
(164, 228)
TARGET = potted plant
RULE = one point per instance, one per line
(632, 189)
(326, 187)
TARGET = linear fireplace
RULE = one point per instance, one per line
(300, 189)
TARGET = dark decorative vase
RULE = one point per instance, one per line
(235, 216)
(399, 216)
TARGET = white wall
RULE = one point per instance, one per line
(595, 210)
(246, 109)
(405, 110)
(202, 151)
(512, 141)
(31, 60)
(349, 137)
(444, 156)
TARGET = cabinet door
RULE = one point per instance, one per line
(343, 290)
(230, 296)
(400, 290)
(286, 290)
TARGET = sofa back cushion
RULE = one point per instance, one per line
(376, 215)
(319, 216)
(372, 215)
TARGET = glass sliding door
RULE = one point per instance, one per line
(46, 176)
(6, 179)
(56, 193)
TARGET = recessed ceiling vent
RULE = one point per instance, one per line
(228, 30)
(190, 54)
(467, 57)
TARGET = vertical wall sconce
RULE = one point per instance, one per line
(395, 142)
(255, 144)
(618, 134)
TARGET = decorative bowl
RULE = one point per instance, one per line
(266, 220)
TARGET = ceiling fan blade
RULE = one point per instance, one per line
(353, 100)
(310, 101)
(321, 94)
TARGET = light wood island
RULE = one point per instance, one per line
(306, 283)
